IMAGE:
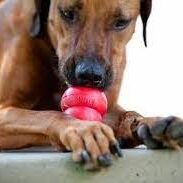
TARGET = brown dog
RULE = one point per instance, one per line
(46, 46)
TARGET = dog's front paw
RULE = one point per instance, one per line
(91, 143)
(162, 133)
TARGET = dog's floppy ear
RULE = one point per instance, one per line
(145, 11)
(40, 18)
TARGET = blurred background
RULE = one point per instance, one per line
(153, 82)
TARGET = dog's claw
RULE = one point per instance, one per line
(105, 160)
(85, 157)
(116, 150)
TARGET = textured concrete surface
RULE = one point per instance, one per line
(137, 166)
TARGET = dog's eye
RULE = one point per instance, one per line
(120, 24)
(69, 15)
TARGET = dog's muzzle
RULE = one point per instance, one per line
(88, 72)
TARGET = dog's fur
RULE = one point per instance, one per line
(37, 48)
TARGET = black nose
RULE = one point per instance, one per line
(90, 72)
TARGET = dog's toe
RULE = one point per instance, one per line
(167, 132)
(161, 126)
(175, 130)
(146, 136)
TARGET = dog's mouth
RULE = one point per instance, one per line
(86, 72)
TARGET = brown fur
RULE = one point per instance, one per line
(28, 110)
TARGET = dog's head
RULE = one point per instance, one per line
(89, 36)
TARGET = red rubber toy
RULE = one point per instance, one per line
(84, 103)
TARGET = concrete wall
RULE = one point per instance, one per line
(137, 166)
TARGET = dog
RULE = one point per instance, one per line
(47, 46)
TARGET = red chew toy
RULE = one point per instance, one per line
(84, 103)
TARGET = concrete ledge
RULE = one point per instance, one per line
(137, 166)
